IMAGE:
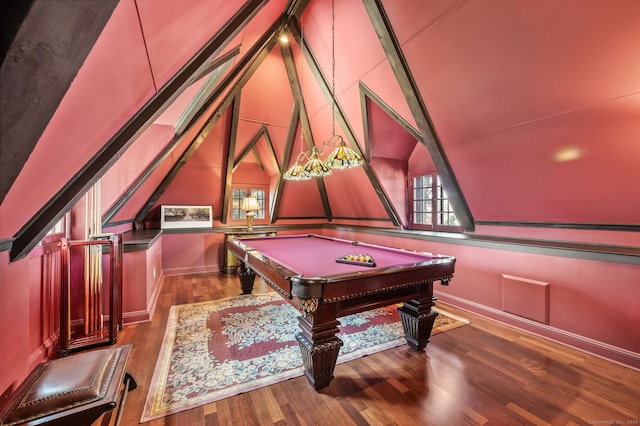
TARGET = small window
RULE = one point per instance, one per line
(445, 214)
(59, 230)
(431, 207)
(236, 202)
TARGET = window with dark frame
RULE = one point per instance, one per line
(236, 202)
(431, 208)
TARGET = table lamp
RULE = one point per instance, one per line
(249, 205)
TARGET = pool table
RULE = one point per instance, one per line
(320, 277)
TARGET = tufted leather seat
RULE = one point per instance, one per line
(72, 390)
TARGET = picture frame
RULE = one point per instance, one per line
(180, 216)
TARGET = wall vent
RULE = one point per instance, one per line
(526, 298)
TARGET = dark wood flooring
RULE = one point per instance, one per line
(483, 373)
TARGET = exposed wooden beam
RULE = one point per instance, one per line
(219, 69)
(250, 63)
(227, 82)
(44, 44)
(344, 124)
(54, 209)
(296, 88)
(250, 147)
(396, 59)
(288, 148)
(367, 93)
(272, 151)
(228, 164)
(170, 147)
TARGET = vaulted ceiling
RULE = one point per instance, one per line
(529, 111)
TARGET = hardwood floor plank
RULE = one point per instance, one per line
(266, 405)
(484, 373)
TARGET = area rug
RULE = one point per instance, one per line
(214, 350)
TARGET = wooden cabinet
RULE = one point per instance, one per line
(231, 262)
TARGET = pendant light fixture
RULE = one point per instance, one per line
(342, 156)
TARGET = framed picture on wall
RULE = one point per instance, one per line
(172, 217)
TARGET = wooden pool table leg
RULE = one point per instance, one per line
(418, 318)
(319, 347)
(247, 277)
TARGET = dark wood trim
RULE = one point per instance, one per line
(367, 93)
(587, 251)
(167, 151)
(365, 219)
(250, 63)
(228, 165)
(214, 65)
(576, 250)
(272, 150)
(140, 240)
(5, 245)
(27, 238)
(286, 160)
(250, 147)
(401, 69)
(324, 85)
(44, 46)
(258, 159)
(565, 225)
(305, 125)
(12, 16)
(120, 222)
(317, 225)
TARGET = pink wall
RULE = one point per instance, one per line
(593, 305)
(142, 280)
(18, 282)
(192, 253)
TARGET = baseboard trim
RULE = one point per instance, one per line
(151, 307)
(189, 270)
(136, 317)
(603, 350)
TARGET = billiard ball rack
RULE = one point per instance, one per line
(357, 259)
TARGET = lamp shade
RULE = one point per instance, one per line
(250, 204)
(296, 172)
(315, 167)
(343, 157)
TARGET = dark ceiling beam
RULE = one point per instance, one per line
(219, 69)
(296, 89)
(272, 150)
(286, 160)
(169, 148)
(250, 147)
(398, 63)
(12, 15)
(33, 231)
(228, 164)
(323, 83)
(256, 154)
(241, 74)
(367, 95)
(44, 44)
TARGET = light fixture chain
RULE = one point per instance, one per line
(301, 101)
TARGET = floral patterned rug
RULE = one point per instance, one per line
(214, 350)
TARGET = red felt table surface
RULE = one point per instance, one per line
(312, 256)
